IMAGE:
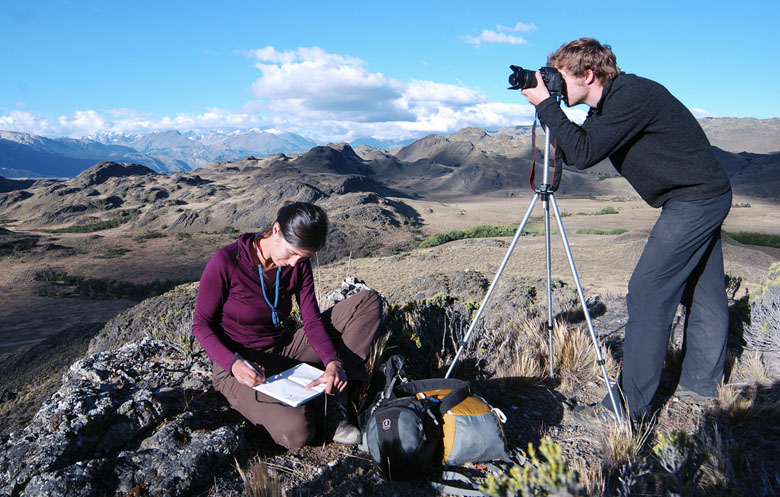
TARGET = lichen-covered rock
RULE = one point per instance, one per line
(143, 418)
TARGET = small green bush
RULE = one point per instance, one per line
(753, 238)
(484, 231)
(607, 210)
(548, 475)
(763, 332)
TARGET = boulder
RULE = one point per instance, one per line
(143, 418)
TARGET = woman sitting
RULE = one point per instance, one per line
(246, 293)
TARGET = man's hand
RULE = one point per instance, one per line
(246, 375)
(334, 378)
(537, 94)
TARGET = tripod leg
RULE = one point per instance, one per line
(477, 316)
(567, 248)
(546, 205)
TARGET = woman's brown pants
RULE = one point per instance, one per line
(352, 325)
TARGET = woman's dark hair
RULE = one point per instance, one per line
(303, 225)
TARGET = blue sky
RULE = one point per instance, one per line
(336, 71)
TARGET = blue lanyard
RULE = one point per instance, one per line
(274, 314)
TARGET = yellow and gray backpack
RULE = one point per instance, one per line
(416, 426)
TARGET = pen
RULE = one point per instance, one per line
(249, 365)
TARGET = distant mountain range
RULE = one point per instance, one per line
(30, 156)
(367, 192)
(475, 151)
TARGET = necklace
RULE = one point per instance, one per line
(274, 313)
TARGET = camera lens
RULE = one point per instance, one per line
(520, 79)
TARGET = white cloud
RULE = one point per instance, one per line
(308, 91)
(326, 85)
(26, 122)
(270, 54)
(501, 36)
(489, 36)
(520, 27)
(82, 123)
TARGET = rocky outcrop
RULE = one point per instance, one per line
(101, 172)
(141, 420)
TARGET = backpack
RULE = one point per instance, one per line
(415, 426)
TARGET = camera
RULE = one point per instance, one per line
(520, 79)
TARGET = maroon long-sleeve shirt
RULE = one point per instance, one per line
(231, 313)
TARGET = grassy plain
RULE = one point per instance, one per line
(604, 262)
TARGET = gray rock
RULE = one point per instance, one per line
(143, 417)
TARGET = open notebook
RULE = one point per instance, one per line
(290, 386)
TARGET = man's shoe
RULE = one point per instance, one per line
(594, 415)
(684, 393)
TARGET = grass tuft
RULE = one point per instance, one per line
(259, 480)
(622, 443)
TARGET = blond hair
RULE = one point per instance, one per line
(578, 56)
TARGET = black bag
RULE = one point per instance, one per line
(403, 436)
(415, 426)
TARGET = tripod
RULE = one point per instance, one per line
(546, 193)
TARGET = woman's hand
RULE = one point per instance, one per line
(334, 378)
(246, 375)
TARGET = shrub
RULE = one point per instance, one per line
(763, 332)
(753, 238)
(484, 231)
(549, 474)
(675, 452)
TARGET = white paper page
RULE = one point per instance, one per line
(290, 386)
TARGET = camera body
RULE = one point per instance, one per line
(520, 79)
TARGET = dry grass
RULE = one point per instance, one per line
(749, 404)
(259, 480)
(591, 476)
(574, 358)
(621, 443)
(754, 369)
(527, 350)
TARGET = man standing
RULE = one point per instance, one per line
(658, 146)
